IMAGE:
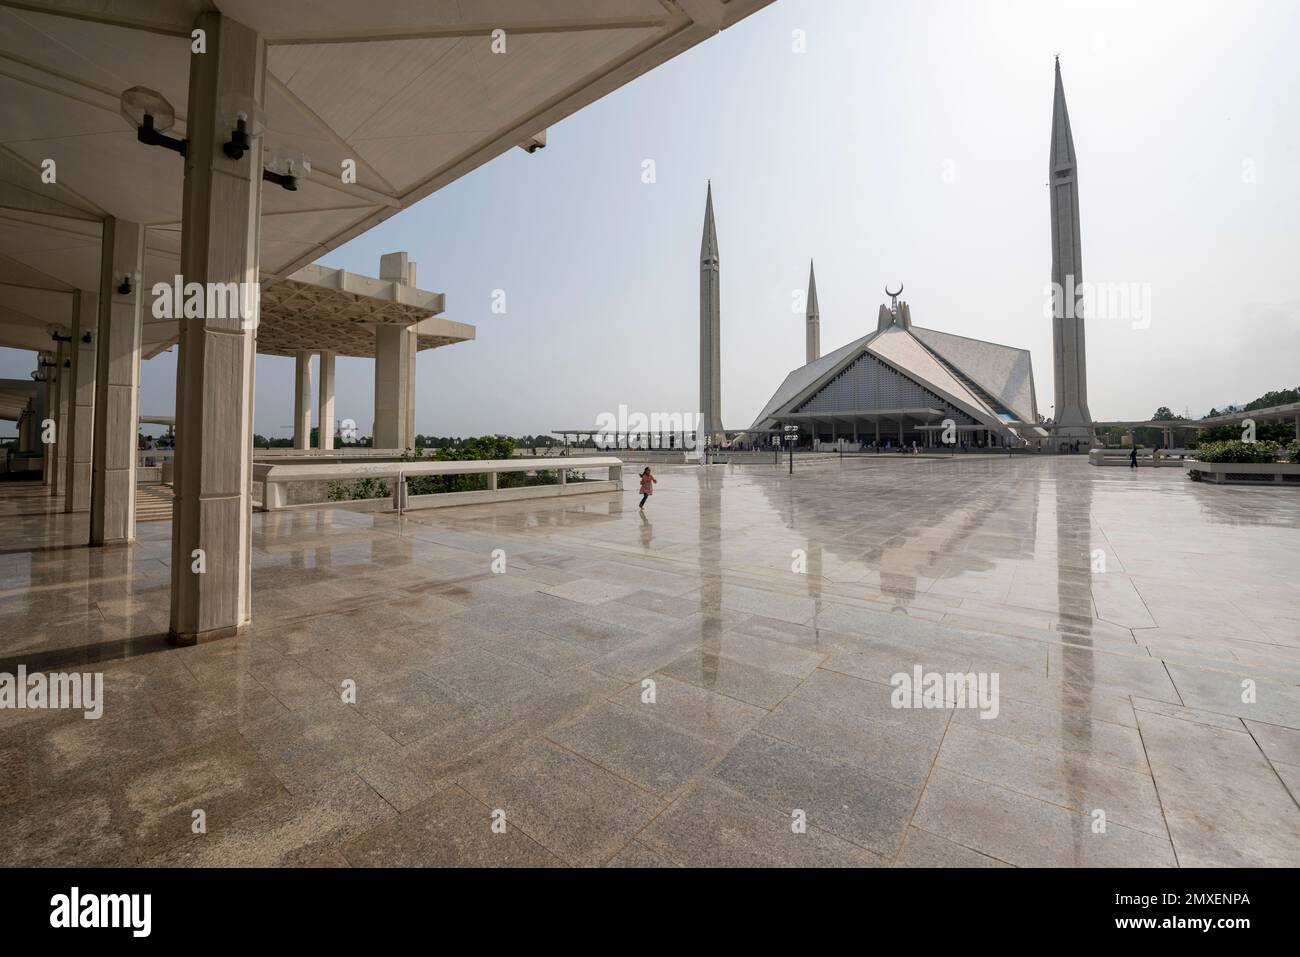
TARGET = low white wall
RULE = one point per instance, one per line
(483, 497)
(1274, 475)
(276, 480)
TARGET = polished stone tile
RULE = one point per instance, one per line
(1280, 745)
(451, 829)
(714, 825)
(705, 714)
(853, 804)
(637, 855)
(708, 669)
(856, 740)
(634, 745)
(1223, 801)
(1026, 832)
(576, 809)
(1067, 778)
(293, 831)
(923, 849)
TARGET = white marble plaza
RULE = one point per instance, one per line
(1120, 690)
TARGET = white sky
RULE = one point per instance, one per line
(839, 153)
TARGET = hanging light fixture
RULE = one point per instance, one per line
(284, 166)
(149, 112)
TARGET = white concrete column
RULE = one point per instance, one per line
(49, 409)
(392, 382)
(59, 484)
(214, 376)
(25, 427)
(395, 348)
(81, 400)
(117, 384)
(302, 400)
(412, 351)
(326, 403)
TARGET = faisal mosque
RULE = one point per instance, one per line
(902, 384)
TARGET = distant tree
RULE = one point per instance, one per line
(1278, 397)
(1163, 414)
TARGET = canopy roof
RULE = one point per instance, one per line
(410, 90)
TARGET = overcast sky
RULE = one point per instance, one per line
(909, 143)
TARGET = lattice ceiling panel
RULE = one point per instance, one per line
(298, 316)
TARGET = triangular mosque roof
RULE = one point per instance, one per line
(985, 379)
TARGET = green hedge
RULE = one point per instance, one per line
(1242, 452)
(355, 491)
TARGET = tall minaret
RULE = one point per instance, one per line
(1071, 365)
(710, 312)
(813, 338)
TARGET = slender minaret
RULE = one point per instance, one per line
(710, 311)
(1070, 362)
(813, 338)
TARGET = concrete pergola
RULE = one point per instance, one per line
(1290, 410)
(1277, 413)
(331, 313)
(390, 102)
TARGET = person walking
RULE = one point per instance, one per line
(647, 486)
(1133, 458)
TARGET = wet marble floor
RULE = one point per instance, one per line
(576, 682)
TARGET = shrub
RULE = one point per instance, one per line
(478, 449)
(355, 491)
(1239, 452)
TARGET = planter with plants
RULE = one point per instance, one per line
(1247, 463)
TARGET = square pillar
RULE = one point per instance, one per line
(48, 409)
(211, 586)
(302, 400)
(326, 405)
(395, 351)
(59, 482)
(392, 385)
(24, 432)
(81, 400)
(117, 385)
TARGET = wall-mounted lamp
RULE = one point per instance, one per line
(151, 115)
(124, 287)
(56, 333)
(284, 166)
(245, 120)
(149, 112)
